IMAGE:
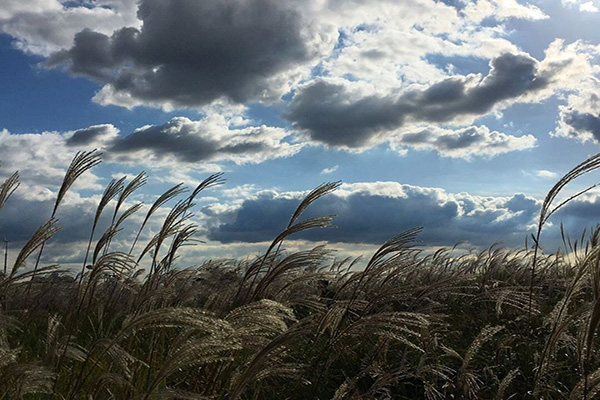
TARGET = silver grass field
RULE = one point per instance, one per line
(495, 324)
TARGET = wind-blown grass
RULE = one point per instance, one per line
(497, 324)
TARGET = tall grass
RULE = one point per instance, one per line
(495, 324)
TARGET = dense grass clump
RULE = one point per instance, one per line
(497, 324)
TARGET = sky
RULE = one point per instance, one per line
(457, 116)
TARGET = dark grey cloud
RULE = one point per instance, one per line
(92, 135)
(182, 144)
(577, 216)
(521, 203)
(189, 141)
(326, 110)
(464, 139)
(331, 114)
(465, 142)
(582, 121)
(510, 76)
(190, 52)
(21, 217)
(372, 217)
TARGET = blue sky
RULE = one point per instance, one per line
(457, 116)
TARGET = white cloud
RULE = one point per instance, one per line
(41, 160)
(10, 8)
(387, 43)
(543, 173)
(570, 67)
(329, 170)
(591, 6)
(478, 10)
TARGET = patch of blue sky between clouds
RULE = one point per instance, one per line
(461, 65)
(565, 21)
(50, 100)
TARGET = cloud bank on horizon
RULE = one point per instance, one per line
(280, 94)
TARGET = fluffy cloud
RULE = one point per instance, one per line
(329, 170)
(189, 53)
(582, 124)
(502, 9)
(96, 135)
(388, 43)
(347, 113)
(475, 141)
(177, 149)
(584, 5)
(182, 140)
(580, 117)
(41, 160)
(367, 215)
(374, 212)
(334, 113)
(543, 173)
(11, 8)
(46, 26)
(358, 73)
